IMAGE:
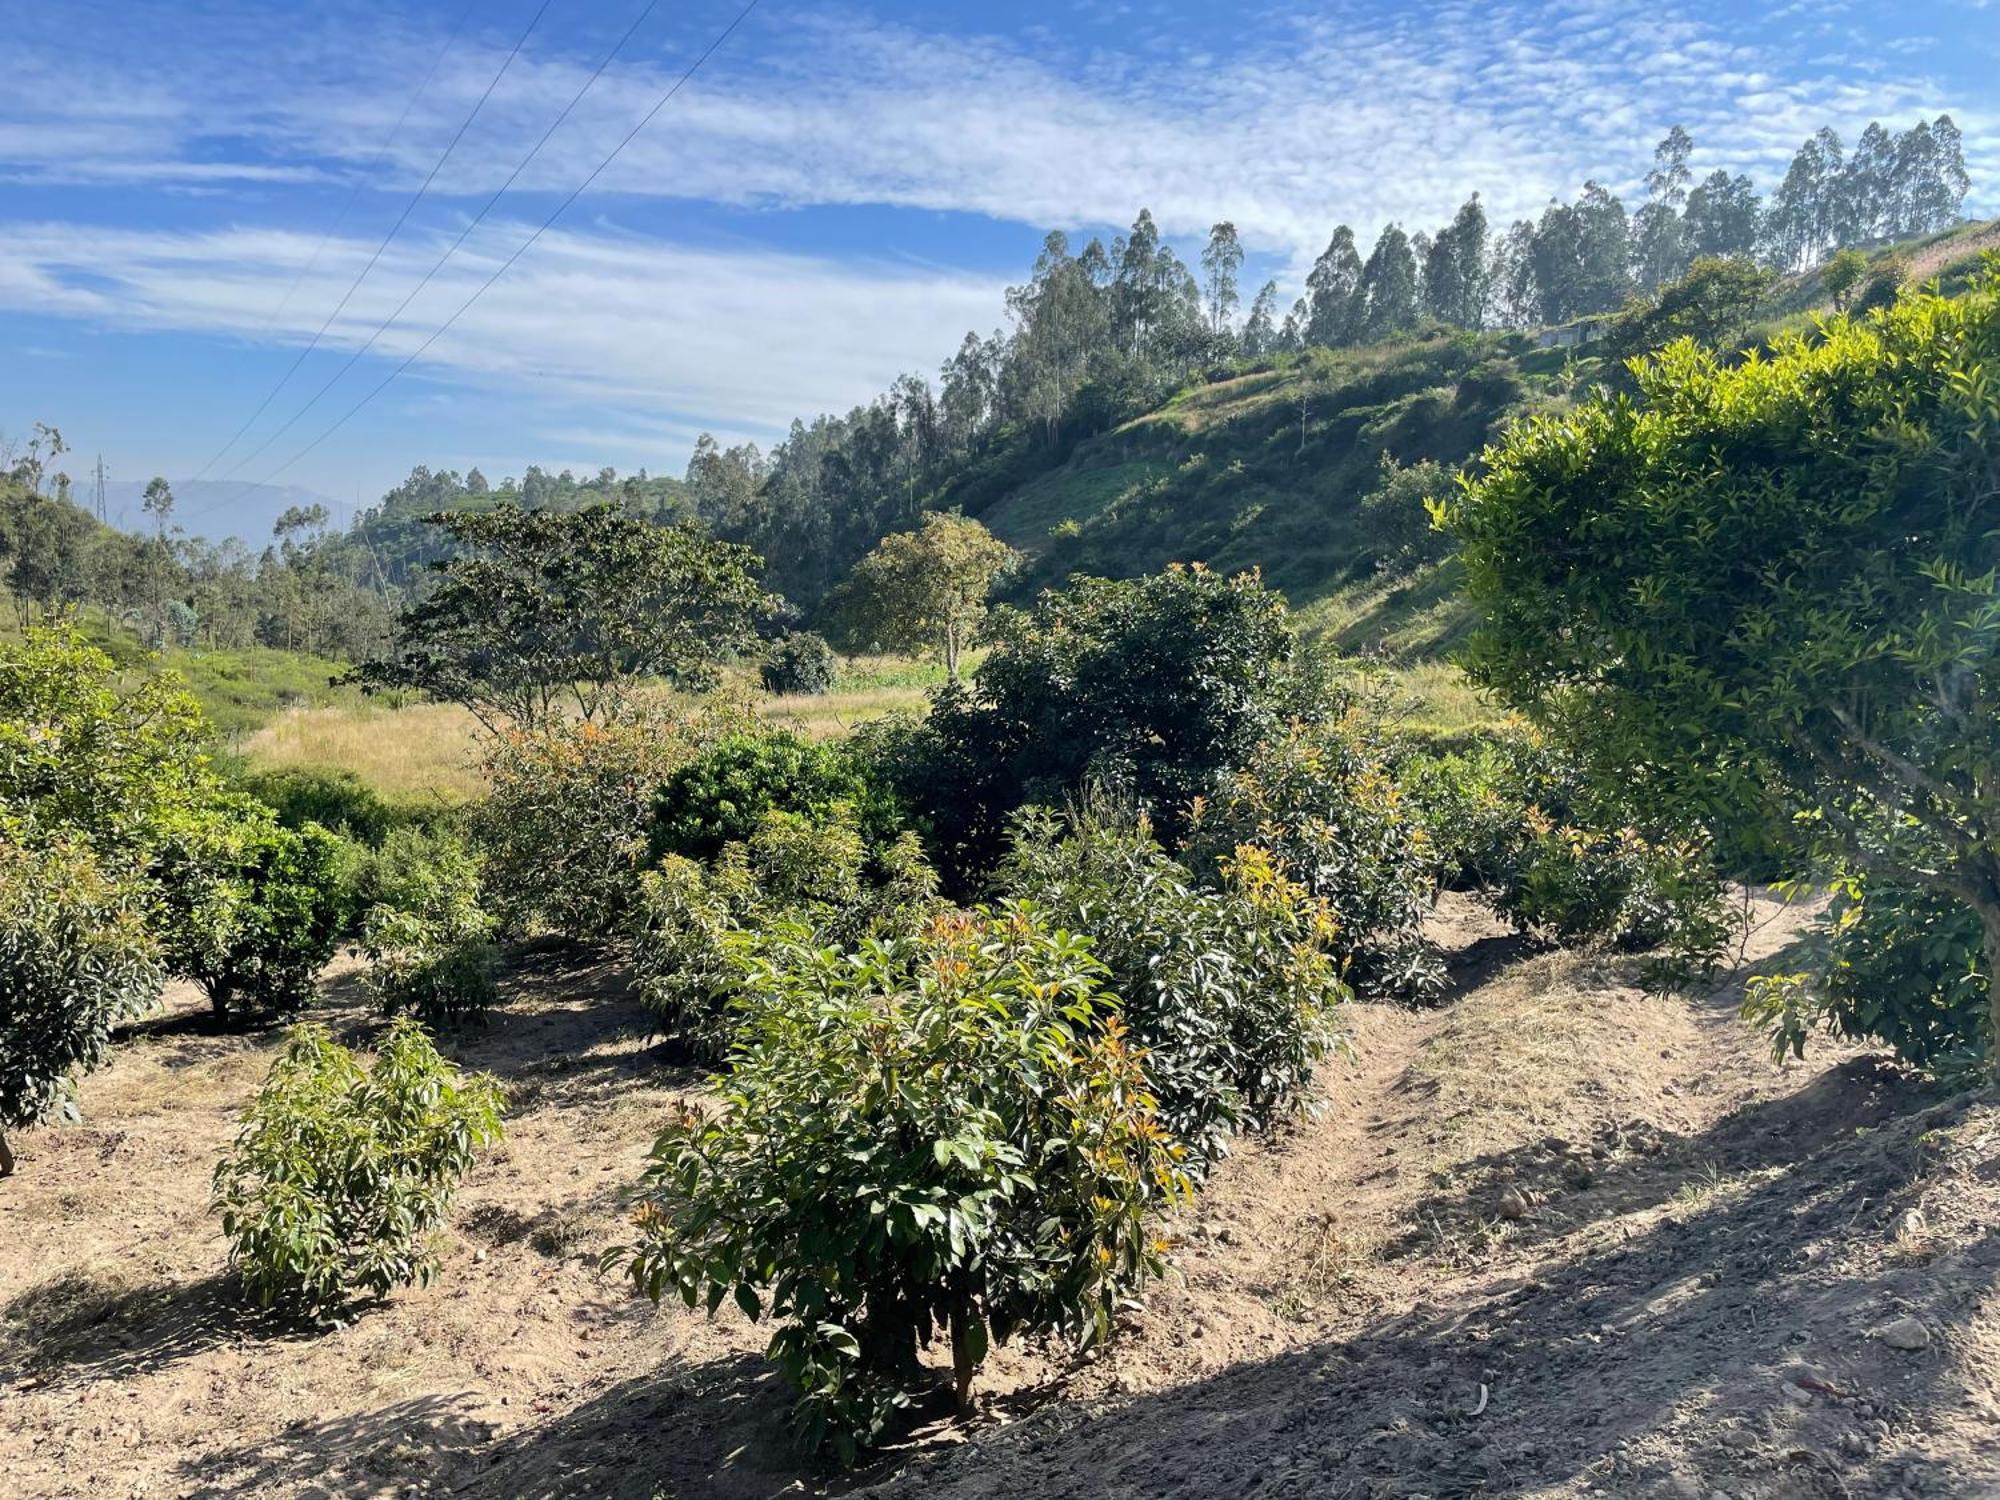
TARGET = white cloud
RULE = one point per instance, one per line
(668, 339)
(1317, 118)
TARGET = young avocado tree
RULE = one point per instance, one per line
(926, 588)
(538, 612)
(1766, 592)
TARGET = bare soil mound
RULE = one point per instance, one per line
(1556, 1237)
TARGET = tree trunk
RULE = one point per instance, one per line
(951, 653)
(962, 1362)
(6, 1157)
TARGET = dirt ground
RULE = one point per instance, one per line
(1554, 1238)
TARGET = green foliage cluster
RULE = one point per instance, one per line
(720, 796)
(427, 938)
(1231, 989)
(1517, 819)
(1148, 687)
(1784, 626)
(566, 821)
(946, 1134)
(538, 612)
(76, 958)
(341, 1175)
(1900, 963)
(1320, 798)
(338, 801)
(796, 877)
(799, 664)
(247, 908)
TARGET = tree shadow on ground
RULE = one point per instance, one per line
(1685, 1334)
(714, 1429)
(80, 1325)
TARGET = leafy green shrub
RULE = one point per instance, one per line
(341, 1175)
(249, 909)
(1321, 800)
(427, 938)
(564, 827)
(1394, 516)
(1149, 686)
(720, 796)
(693, 924)
(799, 664)
(951, 1134)
(1515, 818)
(1901, 964)
(81, 754)
(338, 801)
(1231, 990)
(75, 959)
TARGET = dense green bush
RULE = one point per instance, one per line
(1149, 686)
(1320, 799)
(1394, 517)
(75, 959)
(695, 925)
(1231, 990)
(799, 664)
(564, 826)
(945, 1135)
(249, 909)
(1900, 964)
(341, 1176)
(720, 796)
(81, 754)
(1516, 819)
(338, 801)
(427, 938)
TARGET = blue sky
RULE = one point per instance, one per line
(187, 189)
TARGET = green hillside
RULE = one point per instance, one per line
(1279, 463)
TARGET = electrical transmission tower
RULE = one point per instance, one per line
(99, 488)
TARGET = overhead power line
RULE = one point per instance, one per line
(575, 193)
(401, 219)
(452, 249)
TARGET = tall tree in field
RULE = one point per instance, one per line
(1454, 269)
(1784, 621)
(1806, 210)
(538, 612)
(925, 588)
(1723, 217)
(1604, 250)
(1659, 238)
(1512, 296)
(1260, 333)
(1389, 286)
(1333, 293)
(1220, 261)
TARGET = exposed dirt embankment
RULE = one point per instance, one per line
(1554, 1238)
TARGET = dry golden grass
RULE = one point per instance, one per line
(432, 750)
(424, 751)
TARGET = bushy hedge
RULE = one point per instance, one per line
(564, 828)
(249, 909)
(1231, 989)
(945, 1135)
(795, 872)
(338, 801)
(76, 958)
(1515, 818)
(1321, 800)
(427, 937)
(1904, 965)
(720, 796)
(1150, 686)
(341, 1175)
(799, 664)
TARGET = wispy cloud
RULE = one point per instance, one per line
(739, 340)
(1321, 115)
